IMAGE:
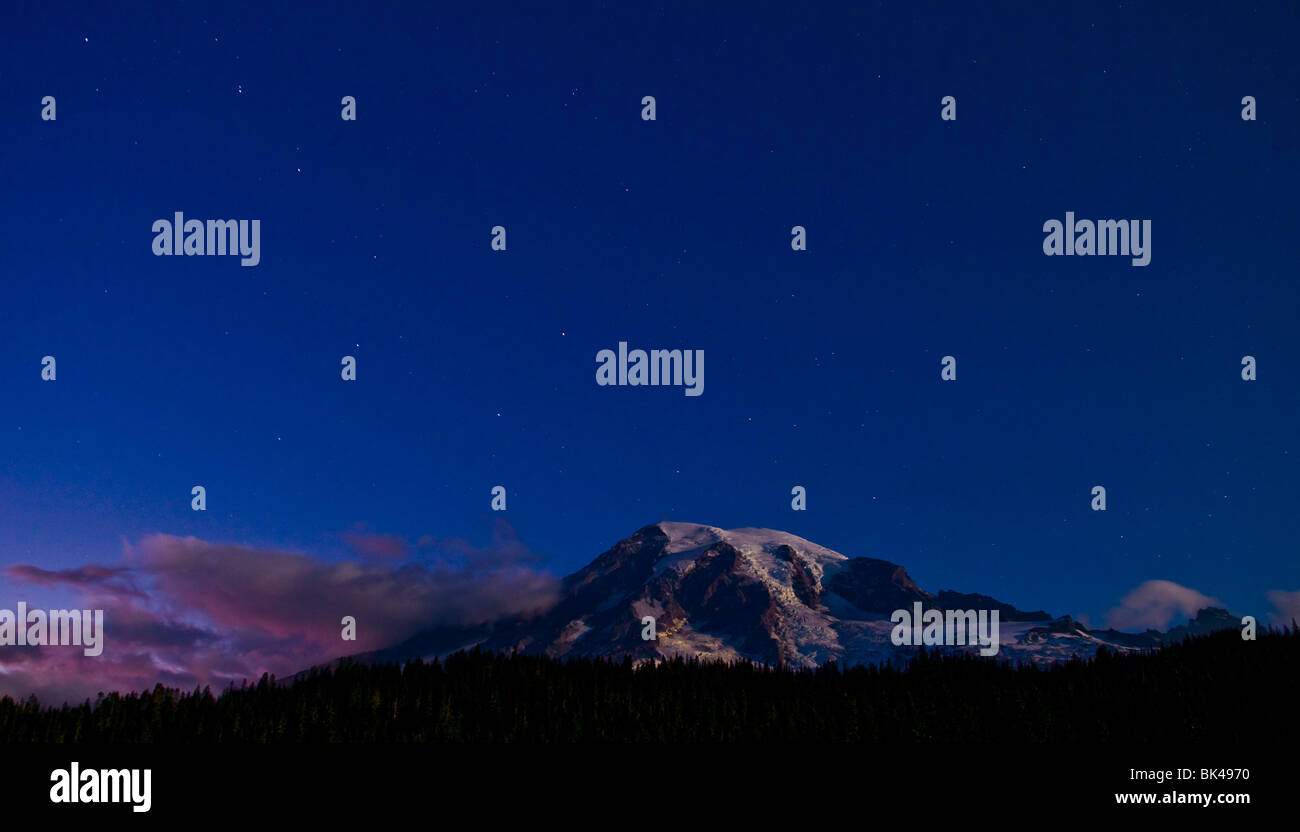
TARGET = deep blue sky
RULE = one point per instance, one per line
(476, 368)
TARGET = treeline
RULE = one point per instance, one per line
(1215, 688)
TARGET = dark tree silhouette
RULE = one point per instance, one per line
(1214, 688)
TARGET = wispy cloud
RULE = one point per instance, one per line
(116, 580)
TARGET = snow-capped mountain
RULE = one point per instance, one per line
(757, 594)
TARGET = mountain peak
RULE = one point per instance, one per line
(686, 537)
(758, 594)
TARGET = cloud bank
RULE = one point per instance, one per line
(185, 612)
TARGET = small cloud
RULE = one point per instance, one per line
(1153, 605)
(378, 546)
(1287, 605)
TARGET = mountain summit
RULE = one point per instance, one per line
(755, 594)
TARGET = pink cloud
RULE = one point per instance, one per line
(187, 612)
(1286, 605)
(380, 546)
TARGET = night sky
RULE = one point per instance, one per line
(477, 367)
